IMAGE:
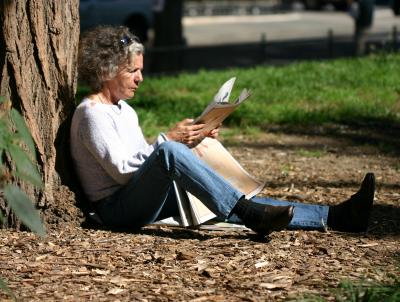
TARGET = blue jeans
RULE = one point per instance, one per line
(306, 216)
(148, 196)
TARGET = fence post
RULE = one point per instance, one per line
(330, 43)
(263, 44)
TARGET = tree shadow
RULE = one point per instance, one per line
(178, 232)
(385, 221)
(68, 176)
(381, 135)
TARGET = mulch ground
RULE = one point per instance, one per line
(162, 263)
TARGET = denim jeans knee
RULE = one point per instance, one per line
(172, 152)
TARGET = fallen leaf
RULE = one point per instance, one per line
(101, 272)
(116, 291)
(368, 244)
(261, 264)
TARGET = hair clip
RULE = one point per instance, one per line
(125, 41)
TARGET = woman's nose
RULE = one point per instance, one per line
(139, 76)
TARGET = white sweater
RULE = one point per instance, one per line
(107, 146)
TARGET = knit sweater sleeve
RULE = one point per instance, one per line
(119, 151)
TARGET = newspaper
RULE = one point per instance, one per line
(192, 211)
(214, 154)
(220, 107)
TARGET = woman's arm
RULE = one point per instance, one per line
(191, 135)
(119, 150)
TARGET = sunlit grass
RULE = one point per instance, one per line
(359, 291)
(357, 90)
(311, 153)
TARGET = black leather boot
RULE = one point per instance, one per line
(263, 219)
(353, 214)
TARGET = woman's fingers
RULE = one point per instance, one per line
(196, 127)
(187, 121)
(186, 132)
(214, 133)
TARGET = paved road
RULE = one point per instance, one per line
(277, 27)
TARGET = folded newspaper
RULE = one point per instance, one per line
(220, 107)
(192, 211)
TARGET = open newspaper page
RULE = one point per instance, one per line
(220, 107)
(192, 211)
(182, 200)
(198, 211)
(220, 160)
(185, 209)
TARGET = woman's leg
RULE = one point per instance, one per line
(306, 216)
(351, 215)
(141, 200)
(170, 206)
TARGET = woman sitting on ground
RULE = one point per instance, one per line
(129, 181)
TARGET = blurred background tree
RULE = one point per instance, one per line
(168, 32)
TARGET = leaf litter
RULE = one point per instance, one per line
(161, 263)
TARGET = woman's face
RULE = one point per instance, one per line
(123, 86)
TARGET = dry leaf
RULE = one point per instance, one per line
(101, 272)
(261, 264)
(116, 291)
(177, 264)
(368, 244)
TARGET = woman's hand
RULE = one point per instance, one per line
(187, 133)
(215, 132)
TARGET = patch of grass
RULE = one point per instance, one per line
(308, 298)
(232, 132)
(351, 292)
(7, 290)
(285, 169)
(356, 90)
(311, 153)
(386, 148)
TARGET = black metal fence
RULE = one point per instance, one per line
(183, 58)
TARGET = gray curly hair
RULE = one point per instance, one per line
(102, 51)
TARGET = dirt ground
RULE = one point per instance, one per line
(159, 263)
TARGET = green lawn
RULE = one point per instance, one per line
(356, 90)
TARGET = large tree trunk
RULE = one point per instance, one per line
(38, 49)
(363, 21)
(168, 39)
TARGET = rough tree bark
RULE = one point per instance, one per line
(38, 49)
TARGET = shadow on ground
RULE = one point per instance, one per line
(385, 221)
(383, 136)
